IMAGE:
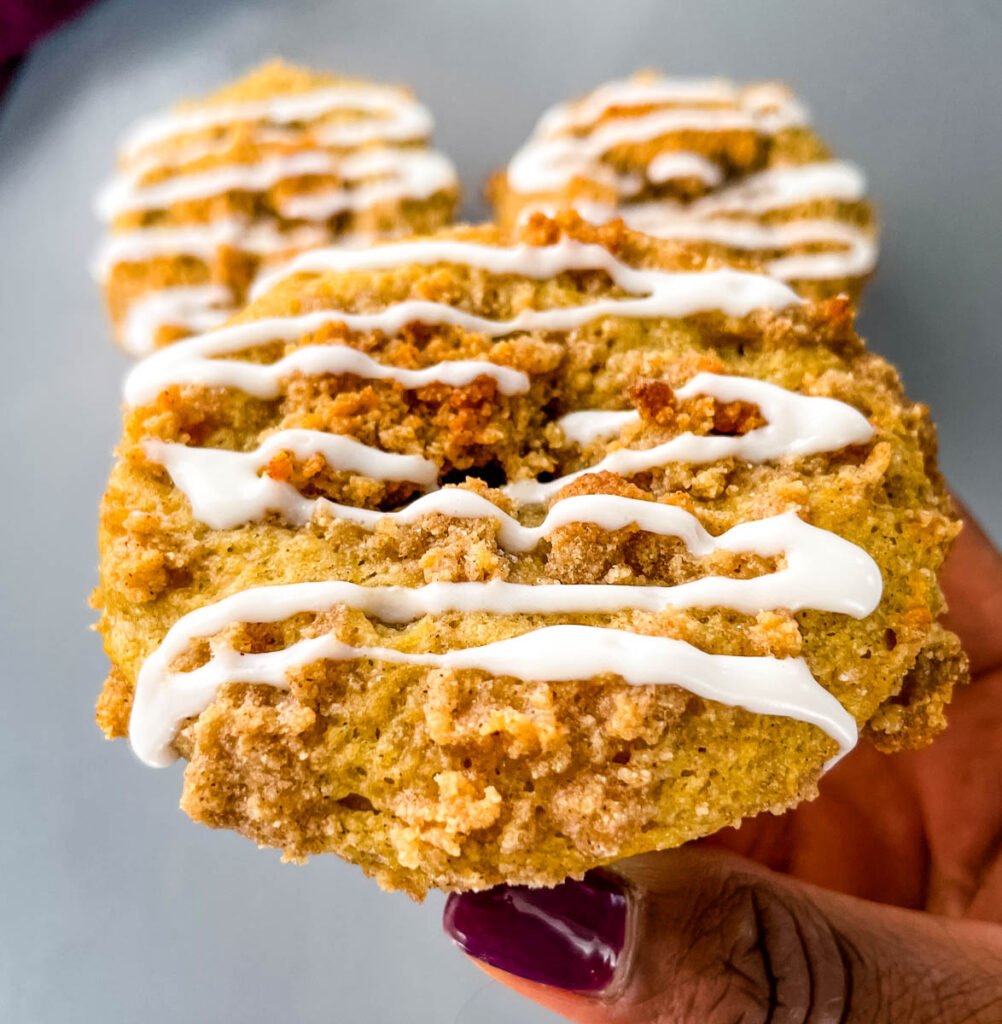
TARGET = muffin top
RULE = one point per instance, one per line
(735, 168)
(215, 191)
(498, 555)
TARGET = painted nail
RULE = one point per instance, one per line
(570, 937)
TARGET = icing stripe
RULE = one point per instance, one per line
(671, 165)
(755, 195)
(548, 164)
(659, 294)
(553, 157)
(265, 380)
(400, 116)
(202, 241)
(721, 218)
(632, 92)
(586, 425)
(541, 262)
(783, 187)
(768, 100)
(126, 192)
(409, 173)
(820, 570)
(823, 571)
(136, 168)
(797, 426)
(225, 490)
(775, 107)
(163, 700)
(196, 308)
(417, 175)
(397, 173)
(228, 473)
(678, 296)
(858, 255)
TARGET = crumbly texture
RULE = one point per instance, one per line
(738, 154)
(460, 780)
(235, 265)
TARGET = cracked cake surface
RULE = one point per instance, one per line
(373, 553)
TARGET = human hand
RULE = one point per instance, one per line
(879, 901)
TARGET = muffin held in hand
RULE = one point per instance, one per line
(734, 168)
(283, 160)
(482, 558)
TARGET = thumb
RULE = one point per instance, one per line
(697, 936)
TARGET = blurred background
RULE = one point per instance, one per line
(113, 906)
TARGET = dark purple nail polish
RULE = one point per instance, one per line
(570, 937)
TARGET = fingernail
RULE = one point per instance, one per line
(570, 937)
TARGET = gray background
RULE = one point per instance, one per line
(113, 906)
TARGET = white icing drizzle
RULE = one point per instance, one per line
(671, 165)
(410, 174)
(406, 125)
(548, 164)
(127, 192)
(796, 426)
(383, 174)
(782, 187)
(398, 117)
(775, 107)
(553, 156)
(195, 308)
(659, 294)
(405, 173)
(586, 425)
(202, 241)
(264, 380)
(762, 685)
(225, 490)
(633, 92)
(768, 99)
(235, 473)
(820, 570)
(723, 218)
(663, 292)
(857, 256)
(823, 571)
(185, 153)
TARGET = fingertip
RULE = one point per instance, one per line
(570, 937)
(573, 1006)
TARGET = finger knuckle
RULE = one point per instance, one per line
(782, 960)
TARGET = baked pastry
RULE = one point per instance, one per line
(475, 559)
(735, 168)
(282, 160)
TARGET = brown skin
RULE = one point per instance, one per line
(879, 901)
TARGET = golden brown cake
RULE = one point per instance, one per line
(284, 159)
(479, 558)
(735, 168)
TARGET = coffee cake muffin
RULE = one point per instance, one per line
(280, 161)
(487, 557)
(735, 168)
